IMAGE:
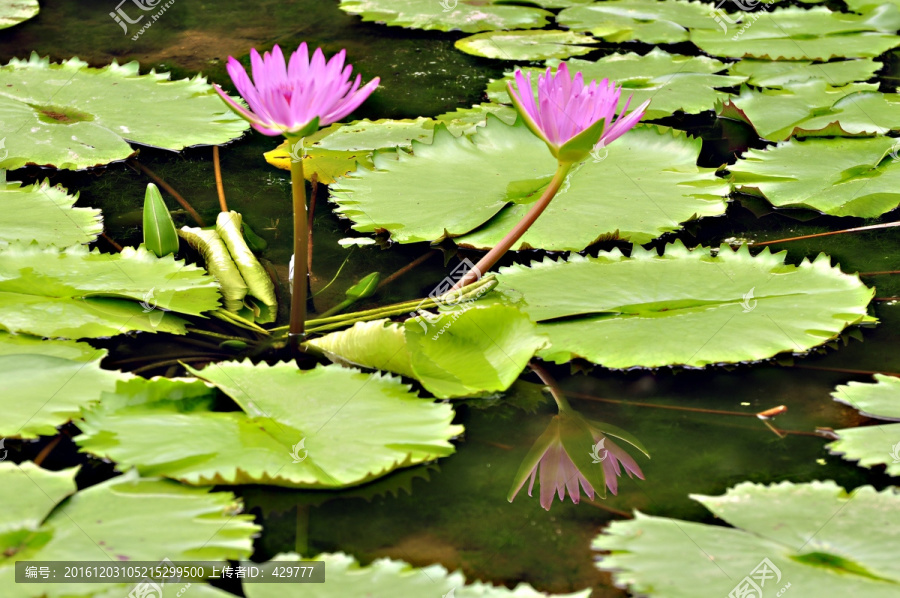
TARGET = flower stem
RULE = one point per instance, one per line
(491, 257)
(301, 238)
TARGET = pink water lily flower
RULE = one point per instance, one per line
(298, 97)
(569, 116)
(563, 461)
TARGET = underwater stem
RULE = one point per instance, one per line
(492, 256)
(301, 239)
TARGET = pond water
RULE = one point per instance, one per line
(455, 512)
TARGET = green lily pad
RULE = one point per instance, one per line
(13, 12)
(46, 383)
(72, 116)
(687, 307)
(45, 214)
(842, 177)
(74, 293)
(813, 539)
(481, 350)
(648, 21)
(386, 578)
(447, 15)
(877, 444)
(123, 519)
(767, 73)
(30, 493)
(673, 83)
(815, 109)
(867, 5)
(525, 45)
(296, 429)
(804, 34)
(642, 186)
(334, 151)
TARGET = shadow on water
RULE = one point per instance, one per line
(455, 512)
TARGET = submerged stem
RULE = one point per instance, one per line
(491, 257)
(301, 239)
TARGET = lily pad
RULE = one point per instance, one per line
(125, 518)
(386, 578)
(648, 21)
(842, 177)
(46, 383)
(334, 151)
(867, 5)
(296, 429)
(814, 108)
(805, 34)
(815, 539)
(30, 493)
(767, 73)
(76, 293)
(72, 116)
(639, 188)
(673, 83)
(13, 12)
(447, 15)
(877, 444)
(687, 307)
(461, 352)
(525, 45)
(44, 214)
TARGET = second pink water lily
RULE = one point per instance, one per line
(570, 116)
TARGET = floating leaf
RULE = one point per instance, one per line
(642, 186)
(45, 214)
(13, 12)
(804, 34)
(29, 494)
(259, 284)
(160, 236)
(70, 115)
(125, 518)
(687, 307)
(525, 45)
(336, 150)
(867, 5)
(297, 429)
(462, 352)
(815, 538)
(767, 73)
(871, 445)
(385, 578)
(671, 82)
(648, 21)
(74, 293)
(45, 383)
(816, 109)
(841, 177)
(447, 15)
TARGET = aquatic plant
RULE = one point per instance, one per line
(294, 99)
(572, 119)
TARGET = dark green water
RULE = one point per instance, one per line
(456, 513)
